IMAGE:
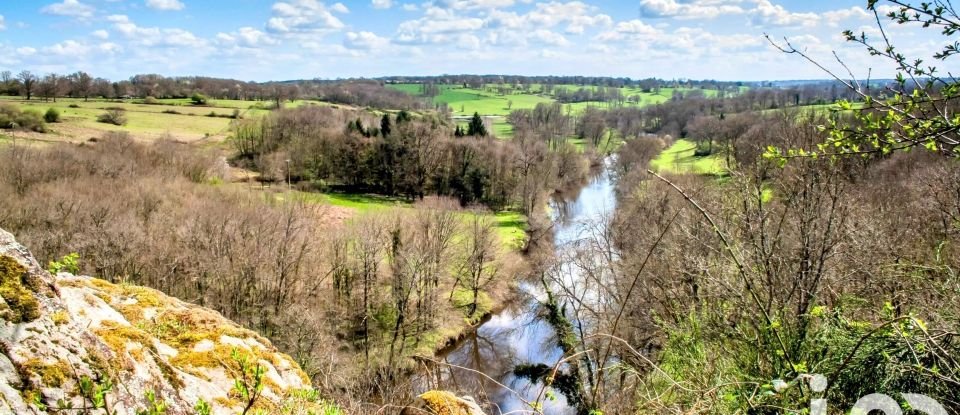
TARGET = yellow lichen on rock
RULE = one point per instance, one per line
(446, 403)
(18, 290)
(65, 330)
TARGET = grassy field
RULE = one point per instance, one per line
(176, 118)
(680, 159)
(179, 120)
(511, 226)
(488, 102)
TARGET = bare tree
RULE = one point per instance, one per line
(27, 81)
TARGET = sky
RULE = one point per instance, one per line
(263, 40)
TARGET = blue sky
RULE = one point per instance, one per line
(294, 39)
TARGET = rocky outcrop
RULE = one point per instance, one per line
(78, 342)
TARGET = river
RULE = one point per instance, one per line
(519, 335)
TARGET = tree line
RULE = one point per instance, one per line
(404, 155)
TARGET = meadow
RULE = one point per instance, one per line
(490, 103)
(178, 119)
(681, 158)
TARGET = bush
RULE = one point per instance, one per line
(113, 116)
(11, 116)
(198, 99)
(74, 106)
(151, 101)
(52, 115)
(171, 112)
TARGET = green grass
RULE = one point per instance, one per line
(462, 298)
(511, 226)
(680, 159)
(79, 117)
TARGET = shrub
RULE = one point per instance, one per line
(74, 106)
(113, 116)
(11, 116)
(52, 115)
(171, 112)
(151, 101)
(198, 99)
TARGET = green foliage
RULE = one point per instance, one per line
(198, 99)
(12, 118)
(202, 408)
(915, 112)
(476, 126)
(52, 115)
(154, 406)
(115, 116)
(248, 385)
(94, 392)
(69, 263)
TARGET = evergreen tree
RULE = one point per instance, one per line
(458, 132)
(476, 127)
(403, 116)
(385, 125)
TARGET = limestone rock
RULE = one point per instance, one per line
(64, 337)
(444, 403)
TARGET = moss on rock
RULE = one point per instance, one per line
(18, 290)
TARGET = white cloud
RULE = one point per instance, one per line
(835, 17)
(26, 51)
(340, 8)
(696, 9)
(410, 7)
(72, 8)
(3, 23)
(382, 4)
(629, 30)
(154, 36)
(365, 41)
(165, 4)
(100, 34)
(549, 38)
(575, 15)
(246, 37)
(303, 16)
(472, 4)
(774, 15)
(67, 48)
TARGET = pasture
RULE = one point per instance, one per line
(681, 158)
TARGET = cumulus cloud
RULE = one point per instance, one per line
(246, 37)
(768, 14)
(154, 36)
(382, 4)
(340, 8)
(100, 34)
(365, 41)
(835, 17)
(472, 4)
(3, 23)
(629, 30)
(303, 16)
(71, 8)
(165, 4)
(696, 9)
(575, 15)
(549, 38)
(67, 48)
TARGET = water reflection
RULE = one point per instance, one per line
(519, 335)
